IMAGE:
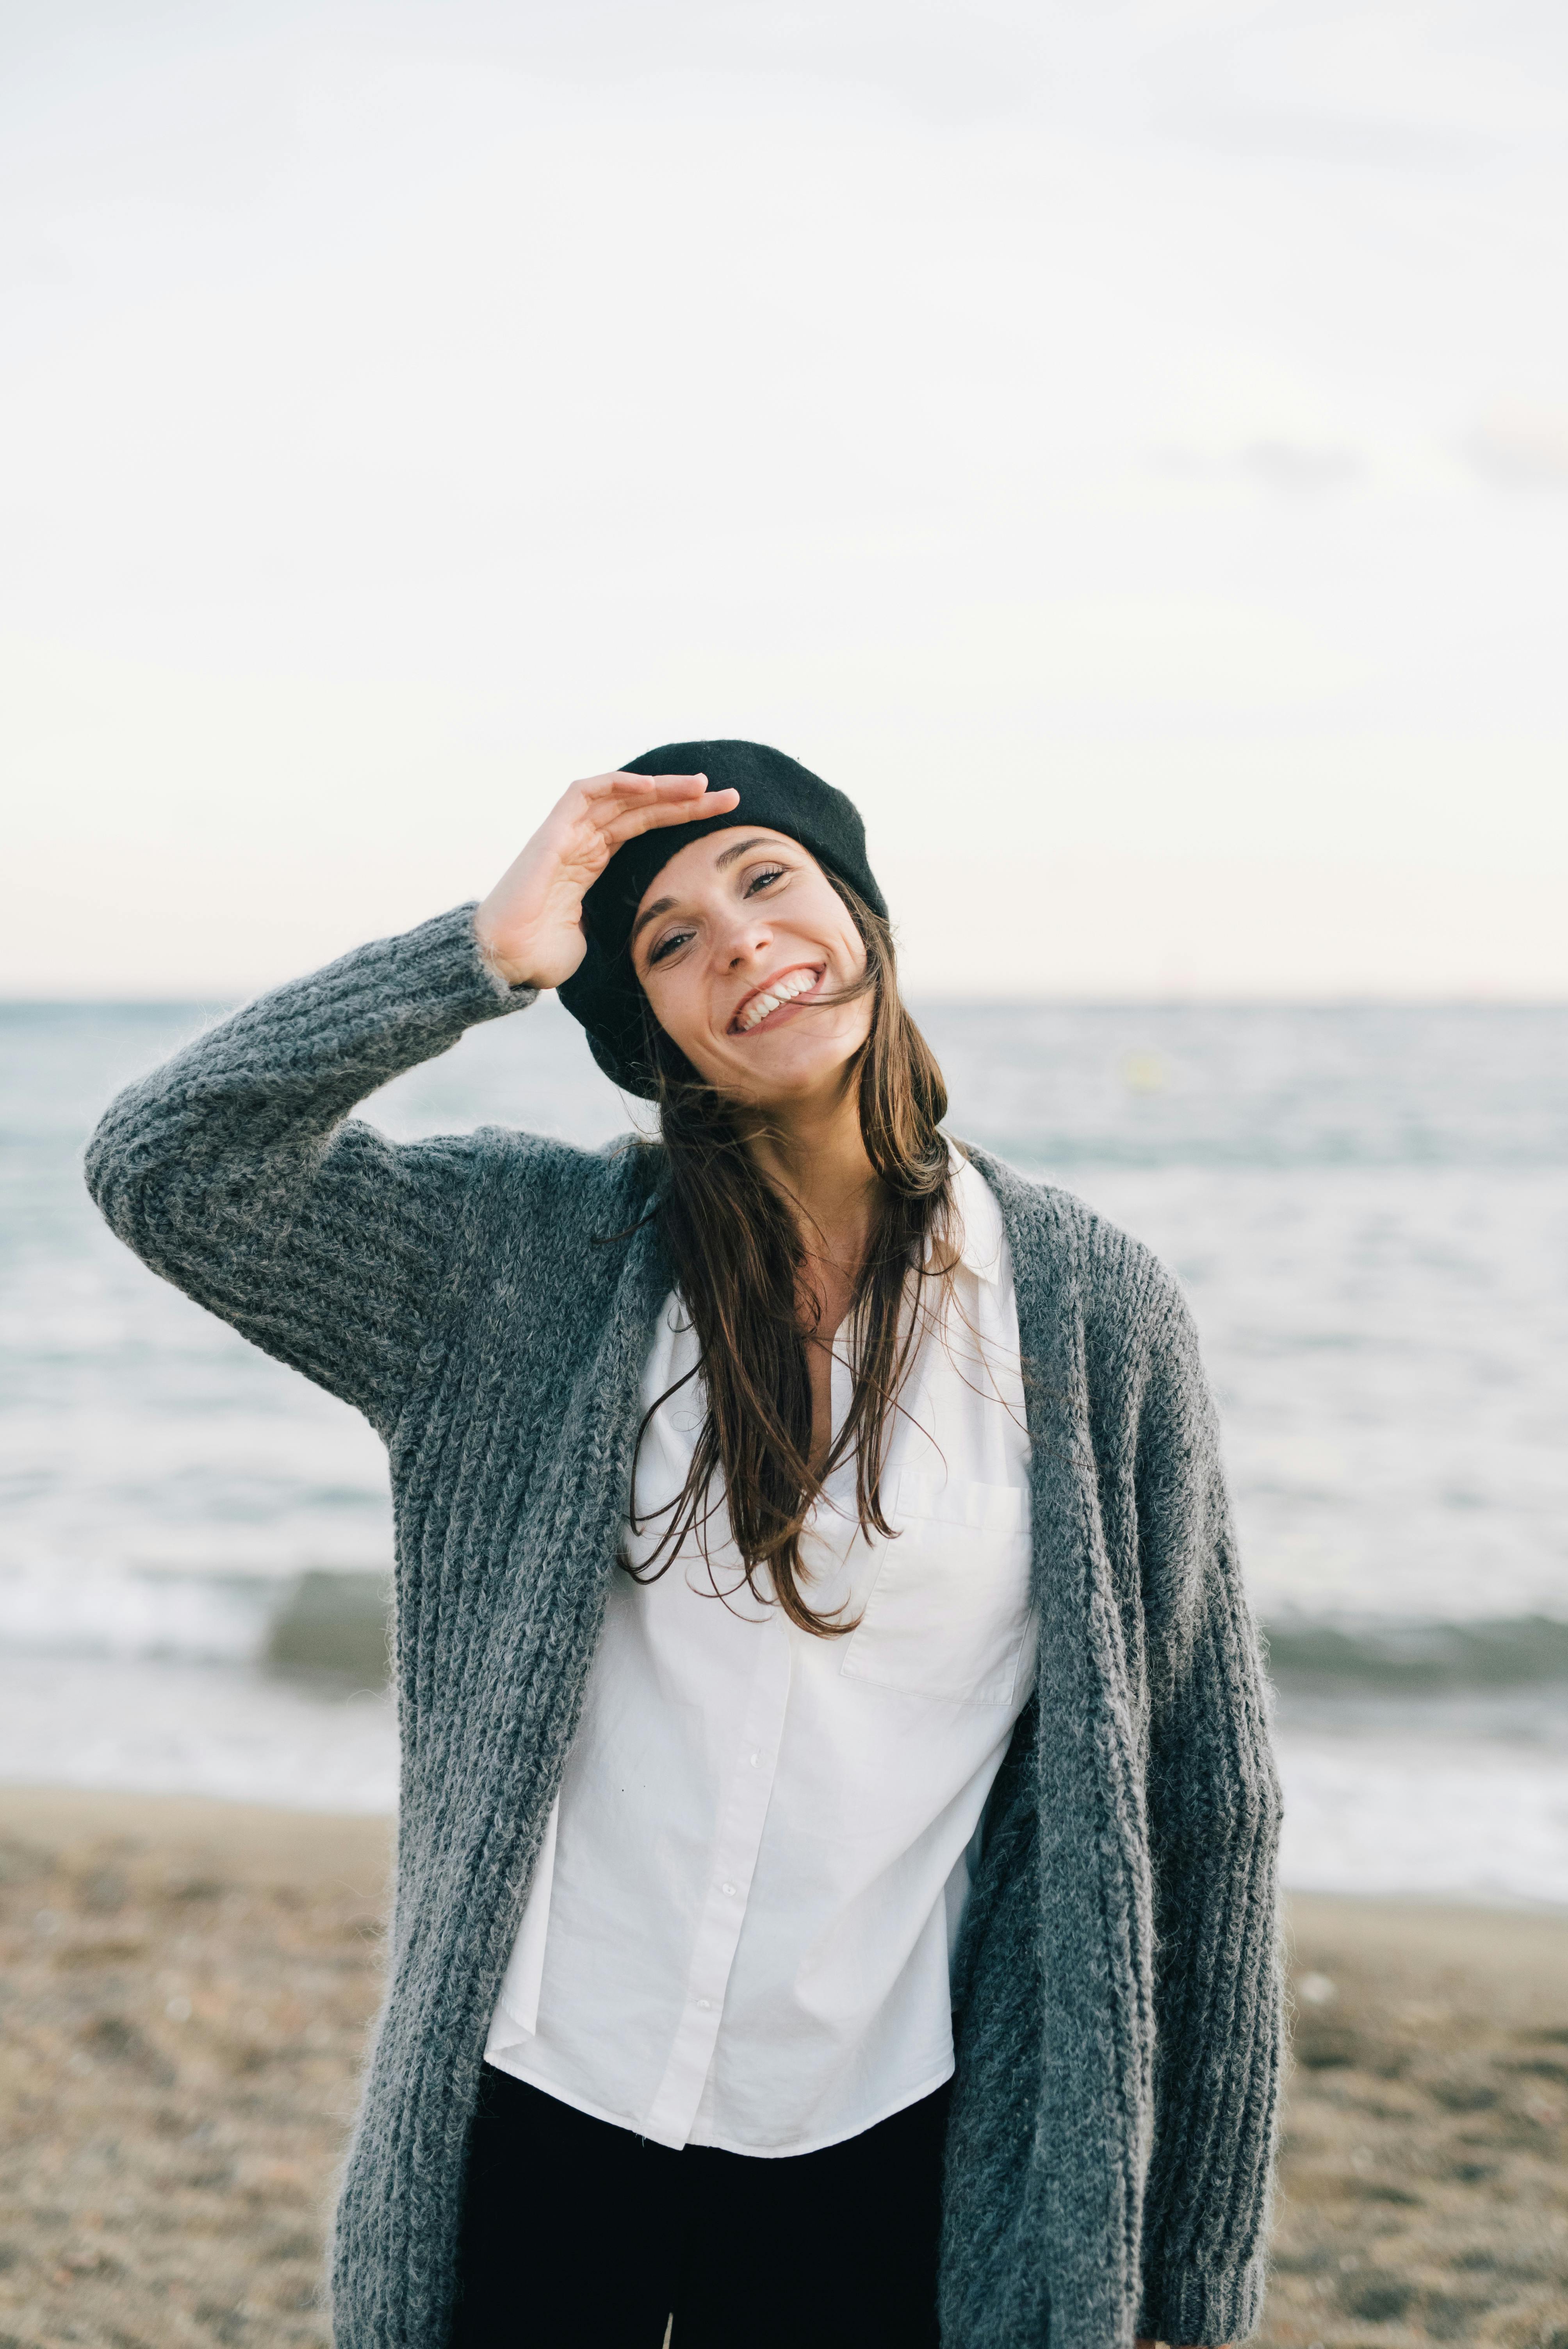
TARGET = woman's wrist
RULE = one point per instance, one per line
(501, 967)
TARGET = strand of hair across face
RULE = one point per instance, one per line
(739, 1262)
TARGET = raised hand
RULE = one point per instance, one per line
(531, 924)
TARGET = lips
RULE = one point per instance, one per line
(776, 995)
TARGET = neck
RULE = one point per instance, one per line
(813, 1150)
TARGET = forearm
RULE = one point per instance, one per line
(1213, 1827)
(1215, 1812)
(234, 1171)
(286, 1067)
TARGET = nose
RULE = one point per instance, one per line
(747, 934)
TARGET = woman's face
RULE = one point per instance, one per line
(735, 941)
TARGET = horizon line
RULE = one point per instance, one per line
(1175, 999)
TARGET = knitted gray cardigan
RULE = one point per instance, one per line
(487, 1301)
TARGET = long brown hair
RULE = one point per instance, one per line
(738, 1259)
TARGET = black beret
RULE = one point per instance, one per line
(604, 991)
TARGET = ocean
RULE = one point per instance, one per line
(1368, 1205)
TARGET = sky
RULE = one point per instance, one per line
(1124, 444)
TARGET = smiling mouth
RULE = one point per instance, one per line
(779, 995)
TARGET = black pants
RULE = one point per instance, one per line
(578, 2235)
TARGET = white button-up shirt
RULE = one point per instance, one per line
(740, 1927)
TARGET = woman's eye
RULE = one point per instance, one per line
(667, 944)
(760, 880)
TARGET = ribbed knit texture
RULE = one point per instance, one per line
(488, 1302)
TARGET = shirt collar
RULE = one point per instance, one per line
(981, 1235)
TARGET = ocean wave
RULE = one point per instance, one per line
(131, 1614)
(1416, 1659)
(322, 1620)
(336, 1620)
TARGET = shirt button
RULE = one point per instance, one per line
(730, 1890)
(757, 1761)
(705, 2004)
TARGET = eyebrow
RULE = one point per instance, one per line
(758, 840)
(663, 905)
(649, 914)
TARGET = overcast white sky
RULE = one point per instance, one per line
(1126, 446)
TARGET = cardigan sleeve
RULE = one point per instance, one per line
(236, 1172)
(1214, 1817)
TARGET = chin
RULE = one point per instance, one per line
(787, 1076)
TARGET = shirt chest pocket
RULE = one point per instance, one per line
(949, 1612)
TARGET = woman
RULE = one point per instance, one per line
(835, 1869)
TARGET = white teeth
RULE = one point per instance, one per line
(800, 982)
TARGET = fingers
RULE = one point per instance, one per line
(683, 811)
(643, 788)
(599, 814)
(655, 819)
(656, 799)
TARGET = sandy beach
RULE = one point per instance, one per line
(187, 1984)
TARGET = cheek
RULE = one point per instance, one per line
(673, 1006)
(859, 1014)
(853, 963)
